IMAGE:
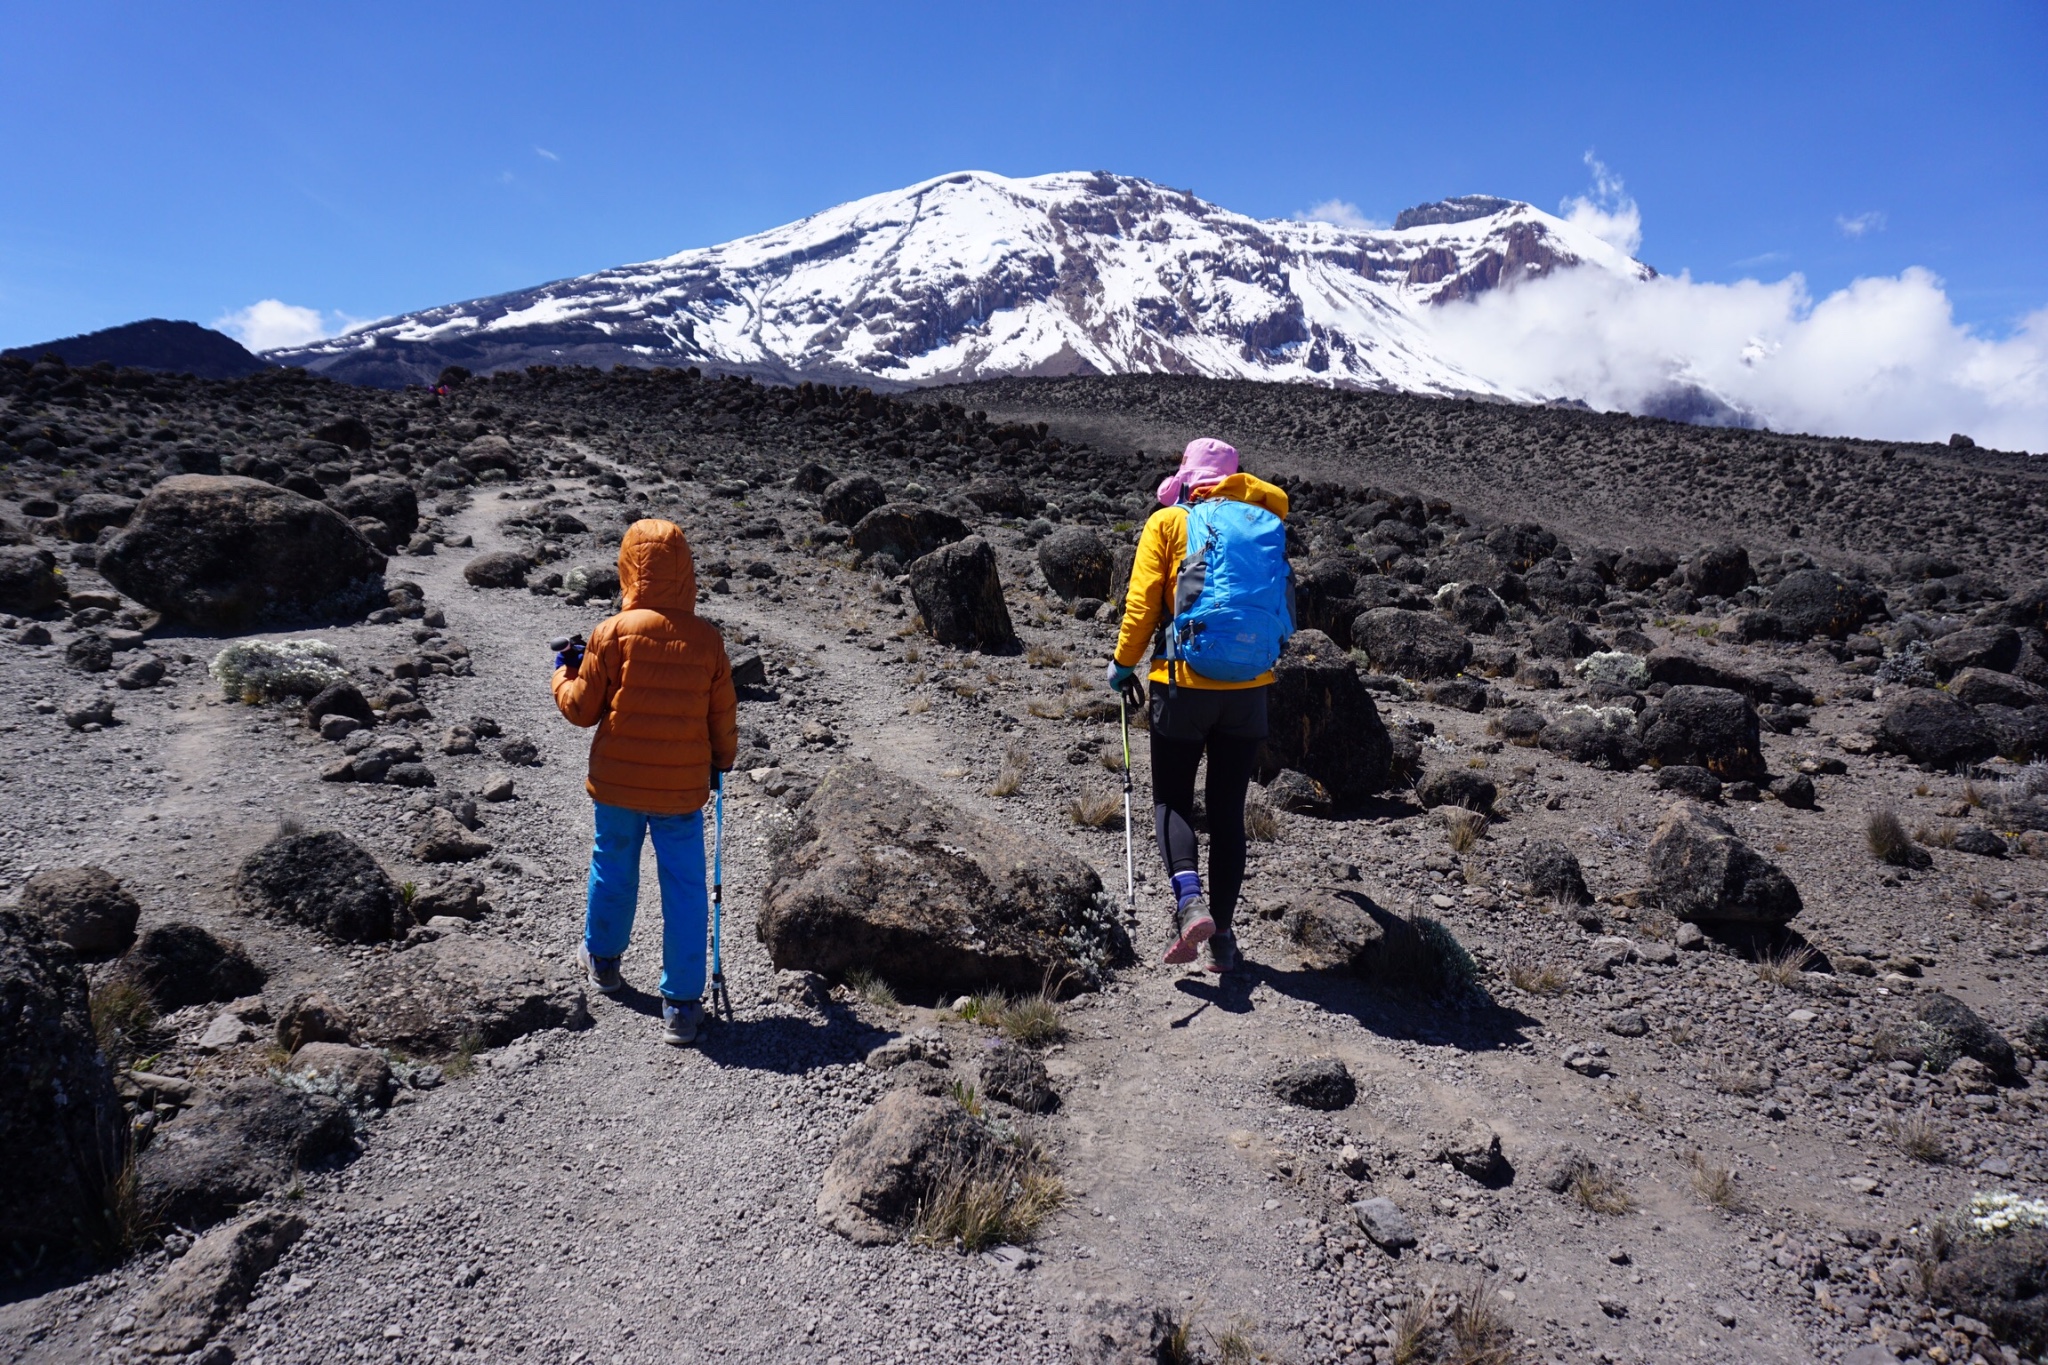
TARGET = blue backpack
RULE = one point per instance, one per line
(1233, 599)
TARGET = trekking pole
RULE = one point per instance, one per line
(1123, 700)
(721, 1003)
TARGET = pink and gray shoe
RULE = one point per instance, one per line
(1194, 927)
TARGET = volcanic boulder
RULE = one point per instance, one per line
(462, 991)
(324, 881)
(86, 907)
(1993, 647)
(28, 580)
(61, 1125)
(1706, 727)
(960, 596)
(206, 1286)
(882, 876)
(890, 1161)
(498, 569)
(1810, 602)
(1411, 644)
(852, 498)
(230, 554)
(91, 513)
(1075, 562)
(1719, 571)
(176, 964)
(235, 1143)
(1322, 721)
(1935, 730)
(391, 501)
(1702, 873)
(1551, 870)
(906, 530)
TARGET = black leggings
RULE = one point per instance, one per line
(1229, 727)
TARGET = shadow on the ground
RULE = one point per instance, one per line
(788, 1045)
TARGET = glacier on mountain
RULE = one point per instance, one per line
(975, 275)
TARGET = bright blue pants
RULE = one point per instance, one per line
(615, 892)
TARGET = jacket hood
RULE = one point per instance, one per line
(656, 572)
(1247, 488)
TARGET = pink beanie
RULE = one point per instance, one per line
(1206, 460)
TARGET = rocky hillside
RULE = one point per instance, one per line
(1645, 920)
(974, 275)
(152, 344)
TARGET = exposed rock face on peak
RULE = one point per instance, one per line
(976, 275)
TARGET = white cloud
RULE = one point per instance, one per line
(1338, 213)
(1608, 212)
(545, 155)
(1882, 358)
(1872, 221)
(269, 324)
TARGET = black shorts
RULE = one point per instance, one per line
(1195, 713)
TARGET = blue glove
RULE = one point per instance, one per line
(570, 659)
(1118, 676)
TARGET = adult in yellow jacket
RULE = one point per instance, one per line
(655, 684)
(1191, 715)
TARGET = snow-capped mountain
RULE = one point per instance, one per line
(976, 275)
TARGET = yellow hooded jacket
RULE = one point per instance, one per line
(656, 683)
(1160, 550)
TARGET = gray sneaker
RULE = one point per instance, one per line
(1192, 928)
(601, 972)
(1223, 952)
(680, 1021)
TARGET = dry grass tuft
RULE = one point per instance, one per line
(1032, 1020)
(1916, 1136)
(1261, 821)
(1097, 810)
(1744, 1082)
(917, 706)
(1465, 829)
(1001, 1196)
(1599, 1192)
(871, 989)
(1479, 1330)
(1634, 1101)
(1783, 966)
(1538, 978)
(1414, 1330)
(1942, 835)
(121, 1017)
(1047, 656)
(1011, 775)
(1715, 1184)
(1047, 708)
(1887, 838)
(1235, 1345)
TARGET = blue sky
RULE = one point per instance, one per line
(368, 159)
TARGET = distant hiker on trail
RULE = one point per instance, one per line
(1211, 590)
(656, 683)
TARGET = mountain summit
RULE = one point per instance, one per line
(974, 275)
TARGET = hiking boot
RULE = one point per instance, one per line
(1192, 926)
(680, 1021)
(602, 972)
(1223, 952)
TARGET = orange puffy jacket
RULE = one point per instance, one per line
(656, 683)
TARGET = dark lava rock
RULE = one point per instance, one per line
(1984, 843)
(906, 531)
(1702, 873)
(338, 699)
(234, 1144)
(498, 569)
(90, 652)
(1994, 647)
(1707, 727)
(1688, 780)
(28, 580)
(1325, 1084)
(1552, 871)
(231, 554)
(1640, 568)
(1603, 737)
(1473, 607)
(1455, 787)
(1935, 730)
(1296, 792)
(850, 499)
(1962, 1031)
(1558, 638)
(92, 513)
(1017, 1076)
(323, 881)
(1983, 687)
(1810, 602)
(891, 1159)
(2022, 734)
(1000, 496)
(1076, 562)
(1323, 598)
(61, 1124)
(1795, 791)
(960, 596)
(880, 875)
(176, 964)
(1410, 644)
(1719, 571)
(2002, 1282)
(86, 907)
(391, 501)
(1321, 721)
(462, 992)
(812, 477)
